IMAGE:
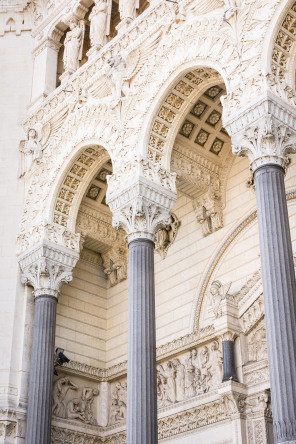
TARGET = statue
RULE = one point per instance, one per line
(218, 293)
(60, 389)
(100, 22)
(118, 403)
(128, 9)
(74, 410)
(189, 376)
(170, 374)
(180, 379)
(73, 45)
(216, 361)
(117, 74)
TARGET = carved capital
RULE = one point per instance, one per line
(142, 204)
(46, 268)
(228, 336)
(266, 141)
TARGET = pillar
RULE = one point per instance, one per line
(279, 291)
(46, 269)
(266, 141)
(41, 373)
(141, 369)
(229, 368)
(141, 208)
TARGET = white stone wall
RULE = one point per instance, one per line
(15, 85)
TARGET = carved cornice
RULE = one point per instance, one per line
(46, 268)
(144, 206)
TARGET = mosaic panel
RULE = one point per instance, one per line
(217, 146)
(166, 114)
(187, 128)
(184, 88)
(175, 101)
(202, 137)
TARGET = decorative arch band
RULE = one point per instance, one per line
(220, 254)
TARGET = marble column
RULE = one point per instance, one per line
(41, 373)
(141, 370)
(268, 137)
(279, 290)
(141, 208)
(46, 276)
(229, 369)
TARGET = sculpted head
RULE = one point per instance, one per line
(215, 287)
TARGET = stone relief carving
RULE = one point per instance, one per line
(165, 237)
(79, 408)
(115, 263)
(118, 403)
(31, 148)
(128, 9)
(246, 289)
(60, 389)
(252, 315)
(208, 211)
(257, 345)
(73, 45)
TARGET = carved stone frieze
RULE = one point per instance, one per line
(253, 315)
(257, 343)
(246, 291)
(256, 373)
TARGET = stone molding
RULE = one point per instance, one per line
(47, 267)
(142, 208)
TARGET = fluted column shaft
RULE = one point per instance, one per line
(279, 289)
(41, 375)
(229, 370)
(141, 371)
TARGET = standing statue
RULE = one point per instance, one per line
(128, 9)
(60, 390)
(100, 23)
(216, 361)
(189, 376)
(170, 374)
(73, 45)
(218, 293)
(180, 380)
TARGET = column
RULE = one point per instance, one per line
(46, 276)
(266, 142)
(141, 375)
(279, 290)
(229, 368)
(141, 208)
(41, 373)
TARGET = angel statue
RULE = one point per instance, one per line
(32, 150)
(100, 22)
(128, 9)
(218, 293)
(73, 45)
(124, 68)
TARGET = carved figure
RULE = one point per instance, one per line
(75, 411)
(180, 379)
(99, 23)
(128, 9)
(205, 368)
(258, 345)
(60, 389)
(73, 45)
(189, 377)
(32, 150)
(218, 293)
(170, 374)
(87, 399)
(118, 403)
(216, 362)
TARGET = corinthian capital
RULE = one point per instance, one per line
(267, 141)
(46, 268)
(140, 197)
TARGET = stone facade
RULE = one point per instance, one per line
(130, 130)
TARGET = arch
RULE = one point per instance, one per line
(79, 131)
(178, 98)
(279, 49)
(217, 257)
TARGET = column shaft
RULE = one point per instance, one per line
(229, 370)
(279, 290)
(41, 375)
(141, 372)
